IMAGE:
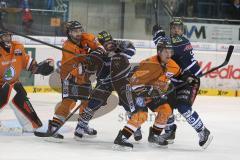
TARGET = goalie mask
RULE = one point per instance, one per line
(74, 31)
(164, 49)
(106, 41)
(176, 27)
(5, 40)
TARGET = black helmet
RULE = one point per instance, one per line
(176, 21)
(104, 37)
(6, 44)
(73, 25)
(164, 42)
(2, 32)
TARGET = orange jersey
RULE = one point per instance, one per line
(12, 64)
(70, 62)
(151, 72)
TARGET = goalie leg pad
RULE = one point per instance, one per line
(24, 110)
(5, 91)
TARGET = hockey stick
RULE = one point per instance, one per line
(42, 42)
(50, 134)
(229, 54)
(155, 6)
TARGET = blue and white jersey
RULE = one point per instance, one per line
(183, 56)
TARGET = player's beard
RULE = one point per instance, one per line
(77, 39)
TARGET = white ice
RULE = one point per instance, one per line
(220, 115)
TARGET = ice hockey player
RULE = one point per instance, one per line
(152, 75)
(13, 60)
(128, 49)
(185, 96)
(75, 81)
(112, 74)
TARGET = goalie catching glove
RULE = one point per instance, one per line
(45, 67)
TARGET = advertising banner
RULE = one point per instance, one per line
(212, 33)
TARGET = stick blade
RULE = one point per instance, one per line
(229, 54)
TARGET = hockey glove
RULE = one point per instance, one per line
(157, 33)
(190, 78)
(45, 67)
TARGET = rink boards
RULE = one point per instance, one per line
(223, 82)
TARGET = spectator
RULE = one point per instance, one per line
(3, 4)
(234, 10)
(27, 16)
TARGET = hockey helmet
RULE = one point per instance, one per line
(104, 37)
(73, 25)
(5, 40)
(74, 30)
(176, 27)
(2, 32)
(164, 42)
(176, 21)
(106, 40)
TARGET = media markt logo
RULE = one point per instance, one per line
(9, 74)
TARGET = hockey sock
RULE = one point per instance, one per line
(170, 126)
(85, 117)
(156, 130)
(192, 117)
(57, 121)
(127, 132)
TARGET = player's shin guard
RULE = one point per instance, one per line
(192, 118)
(82, 126)
(138, 133)
(24, 111)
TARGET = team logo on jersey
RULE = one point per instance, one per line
(9, 74)
(177, 39)
(17, 52)
(140, 101)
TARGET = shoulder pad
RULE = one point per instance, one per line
(88, 36)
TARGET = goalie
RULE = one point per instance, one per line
(13, 60)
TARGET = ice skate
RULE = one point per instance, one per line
(121, 143)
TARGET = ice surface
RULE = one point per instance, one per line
(220, 115)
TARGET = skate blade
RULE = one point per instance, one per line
(11, 131)
(78, 138)
(117, 147)
(54, 140)
(89, 136)
(170, 141)
(157, 145)
(210, 138)
(84, 137)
